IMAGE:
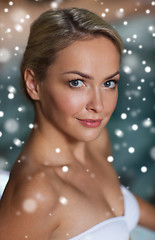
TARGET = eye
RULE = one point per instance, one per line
(110, 84)
(76, 83)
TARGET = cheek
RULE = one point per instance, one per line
(69, 103)
(111, 102)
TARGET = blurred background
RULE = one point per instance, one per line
(131, 128)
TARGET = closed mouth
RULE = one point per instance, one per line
(90, 123)
(91, 120)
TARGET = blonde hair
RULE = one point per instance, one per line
(57, 29)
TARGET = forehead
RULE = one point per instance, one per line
(88, 56)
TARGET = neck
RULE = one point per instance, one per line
(53, 147)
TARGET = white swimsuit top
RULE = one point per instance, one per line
(117, 228)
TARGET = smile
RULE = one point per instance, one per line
(92, 123)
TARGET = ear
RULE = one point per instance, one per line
(32, 86)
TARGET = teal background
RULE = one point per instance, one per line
(127, 165)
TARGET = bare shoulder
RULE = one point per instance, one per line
(29, 201)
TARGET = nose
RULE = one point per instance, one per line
(95, 102)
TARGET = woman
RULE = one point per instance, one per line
(62, 186)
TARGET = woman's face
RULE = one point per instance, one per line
(80, 92)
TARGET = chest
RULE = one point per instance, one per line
(89, 196)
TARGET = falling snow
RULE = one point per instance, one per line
(1, 113)
(131, 150)
(65, 168)
(152, 152)
(110, 158)
(54, 5)
(17, 142)
(31, 125)
(123, 116)
(11, 125)
(29, 205)
(133, 124)
(63, 200)
(134, 127)
(5, 55)
(147, 69)
(119, 133)
(147, 122)
(143, 169)
(58, 150)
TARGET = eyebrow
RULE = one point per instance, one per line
(84, 75)
(113, 75)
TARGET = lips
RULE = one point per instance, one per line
(90, 122)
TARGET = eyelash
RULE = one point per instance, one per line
(70, 82)
(114, 81)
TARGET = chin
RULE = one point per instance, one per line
(89, 137)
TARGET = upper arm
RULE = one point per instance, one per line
(29, 211)
(147, 213)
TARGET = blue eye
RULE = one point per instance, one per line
(76, 83)
(110, 84)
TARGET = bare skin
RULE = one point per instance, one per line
(84, 187)
(62, 183)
